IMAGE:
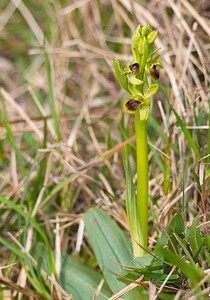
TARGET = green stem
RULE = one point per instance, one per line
(142, 179)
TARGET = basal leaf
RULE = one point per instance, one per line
(75, 278)
(195, 237)
(193, 273)
(176, 226)
(111, 248)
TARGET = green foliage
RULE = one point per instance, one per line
(131, 206)
(33, 223)
(75, 278)
(111, 248)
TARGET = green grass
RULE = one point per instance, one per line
(62, 137)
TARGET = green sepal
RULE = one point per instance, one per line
(154, 59)
(134, 91)
(120, 75)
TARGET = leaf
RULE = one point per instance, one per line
(176, 226)
(183, 245)
(193, 273)
(75, 278)
(80, 280)
(142, 262)
(111, 248)
(195, 237)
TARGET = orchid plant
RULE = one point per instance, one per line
(139, 79)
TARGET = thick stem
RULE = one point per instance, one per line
(142, 178)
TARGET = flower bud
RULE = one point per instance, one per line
(154, 73)
(144, 30)
(152, 37)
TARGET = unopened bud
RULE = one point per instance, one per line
(145, 30)
(152, 37)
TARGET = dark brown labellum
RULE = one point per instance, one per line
(132, 105)
(154, 73)
(134, 68)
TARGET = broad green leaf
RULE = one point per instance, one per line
(80, 280)
(111, 248)
(143, 262)
(195, 237)
(75, 278)
(176, 226)
(167, 238)
(186, 134)
(193, 273)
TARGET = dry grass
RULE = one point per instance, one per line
(81, 40)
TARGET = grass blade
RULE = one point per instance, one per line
(193, 273)
(32, 222)
(53, 106)
(186, 134)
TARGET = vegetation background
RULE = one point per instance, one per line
(62, 134)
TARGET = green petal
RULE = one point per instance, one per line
(151, 90)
